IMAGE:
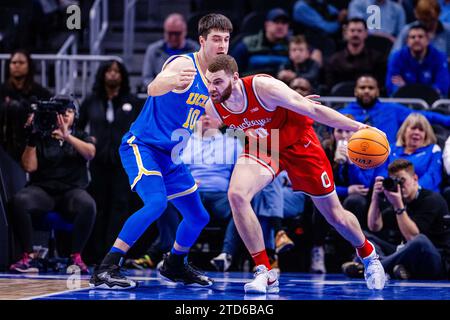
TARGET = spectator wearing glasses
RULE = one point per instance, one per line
(174, 42)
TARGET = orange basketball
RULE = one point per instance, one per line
(368, 148)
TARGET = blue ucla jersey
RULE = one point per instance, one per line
(177, 110)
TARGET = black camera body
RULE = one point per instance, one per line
(45, 119)
(390, 184)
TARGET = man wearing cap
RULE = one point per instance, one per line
(268, 49)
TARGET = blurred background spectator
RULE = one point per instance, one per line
(356, 59)
(416, 142)
(392, 16)
(427, 13)
(302, 86)
(369, 109)
(418, 62)
(300, 63)
(15, 101)
(267, 50)
(173, 43)
(107, 114)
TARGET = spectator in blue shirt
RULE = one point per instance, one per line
(386, 116)
(392, 15)
(427, 13)
(416, 142)
(418, 62)
(319, 15)
(445, 11)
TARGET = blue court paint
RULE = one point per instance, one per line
(229, 286)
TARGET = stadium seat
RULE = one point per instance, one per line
(343, 89)
(380, 44)
(419, 91)
(52, 222)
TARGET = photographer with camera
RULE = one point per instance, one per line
(409, 232)
(56, 157)
(15, 97)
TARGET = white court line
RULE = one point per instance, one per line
(54, 294)
(243, 280)
(397, 284)
(86, 277)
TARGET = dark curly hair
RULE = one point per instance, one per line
(99, 85)
(29, 78)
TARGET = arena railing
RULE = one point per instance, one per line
(339, 102)
(441, 102)
(74, 74)
(98, 25)
(65, 70)
(128, 30)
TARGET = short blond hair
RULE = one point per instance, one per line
(416, 120)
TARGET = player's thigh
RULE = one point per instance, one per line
(140, 161)
(249, 177)
(308, 169)
(178, 181)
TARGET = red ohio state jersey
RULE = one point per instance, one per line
(259, 122)
(291, 143)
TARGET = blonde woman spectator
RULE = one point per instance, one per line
(416, 142)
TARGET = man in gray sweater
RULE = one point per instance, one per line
(173, 43)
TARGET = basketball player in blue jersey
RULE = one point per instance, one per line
(177, 98)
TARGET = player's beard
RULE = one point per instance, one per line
(224, 95)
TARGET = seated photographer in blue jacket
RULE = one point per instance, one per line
(418, 62)
(386, 116)
(56, 157)
(416, 142)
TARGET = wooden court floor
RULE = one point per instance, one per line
(16, 289)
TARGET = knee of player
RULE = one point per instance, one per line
(156, 202)
(237, 196)
(203, 218)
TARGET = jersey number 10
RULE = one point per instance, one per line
(191, 119)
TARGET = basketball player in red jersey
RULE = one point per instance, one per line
(264, 108)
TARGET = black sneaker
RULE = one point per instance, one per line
(353, 269)
(111, 278)
(399, 272)
(184, 273)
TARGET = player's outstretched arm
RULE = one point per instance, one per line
(275, 93)
(178, 74)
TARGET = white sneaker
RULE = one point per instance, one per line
(265, 281)
(318, 260)
(374, 272)
(222, 262)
